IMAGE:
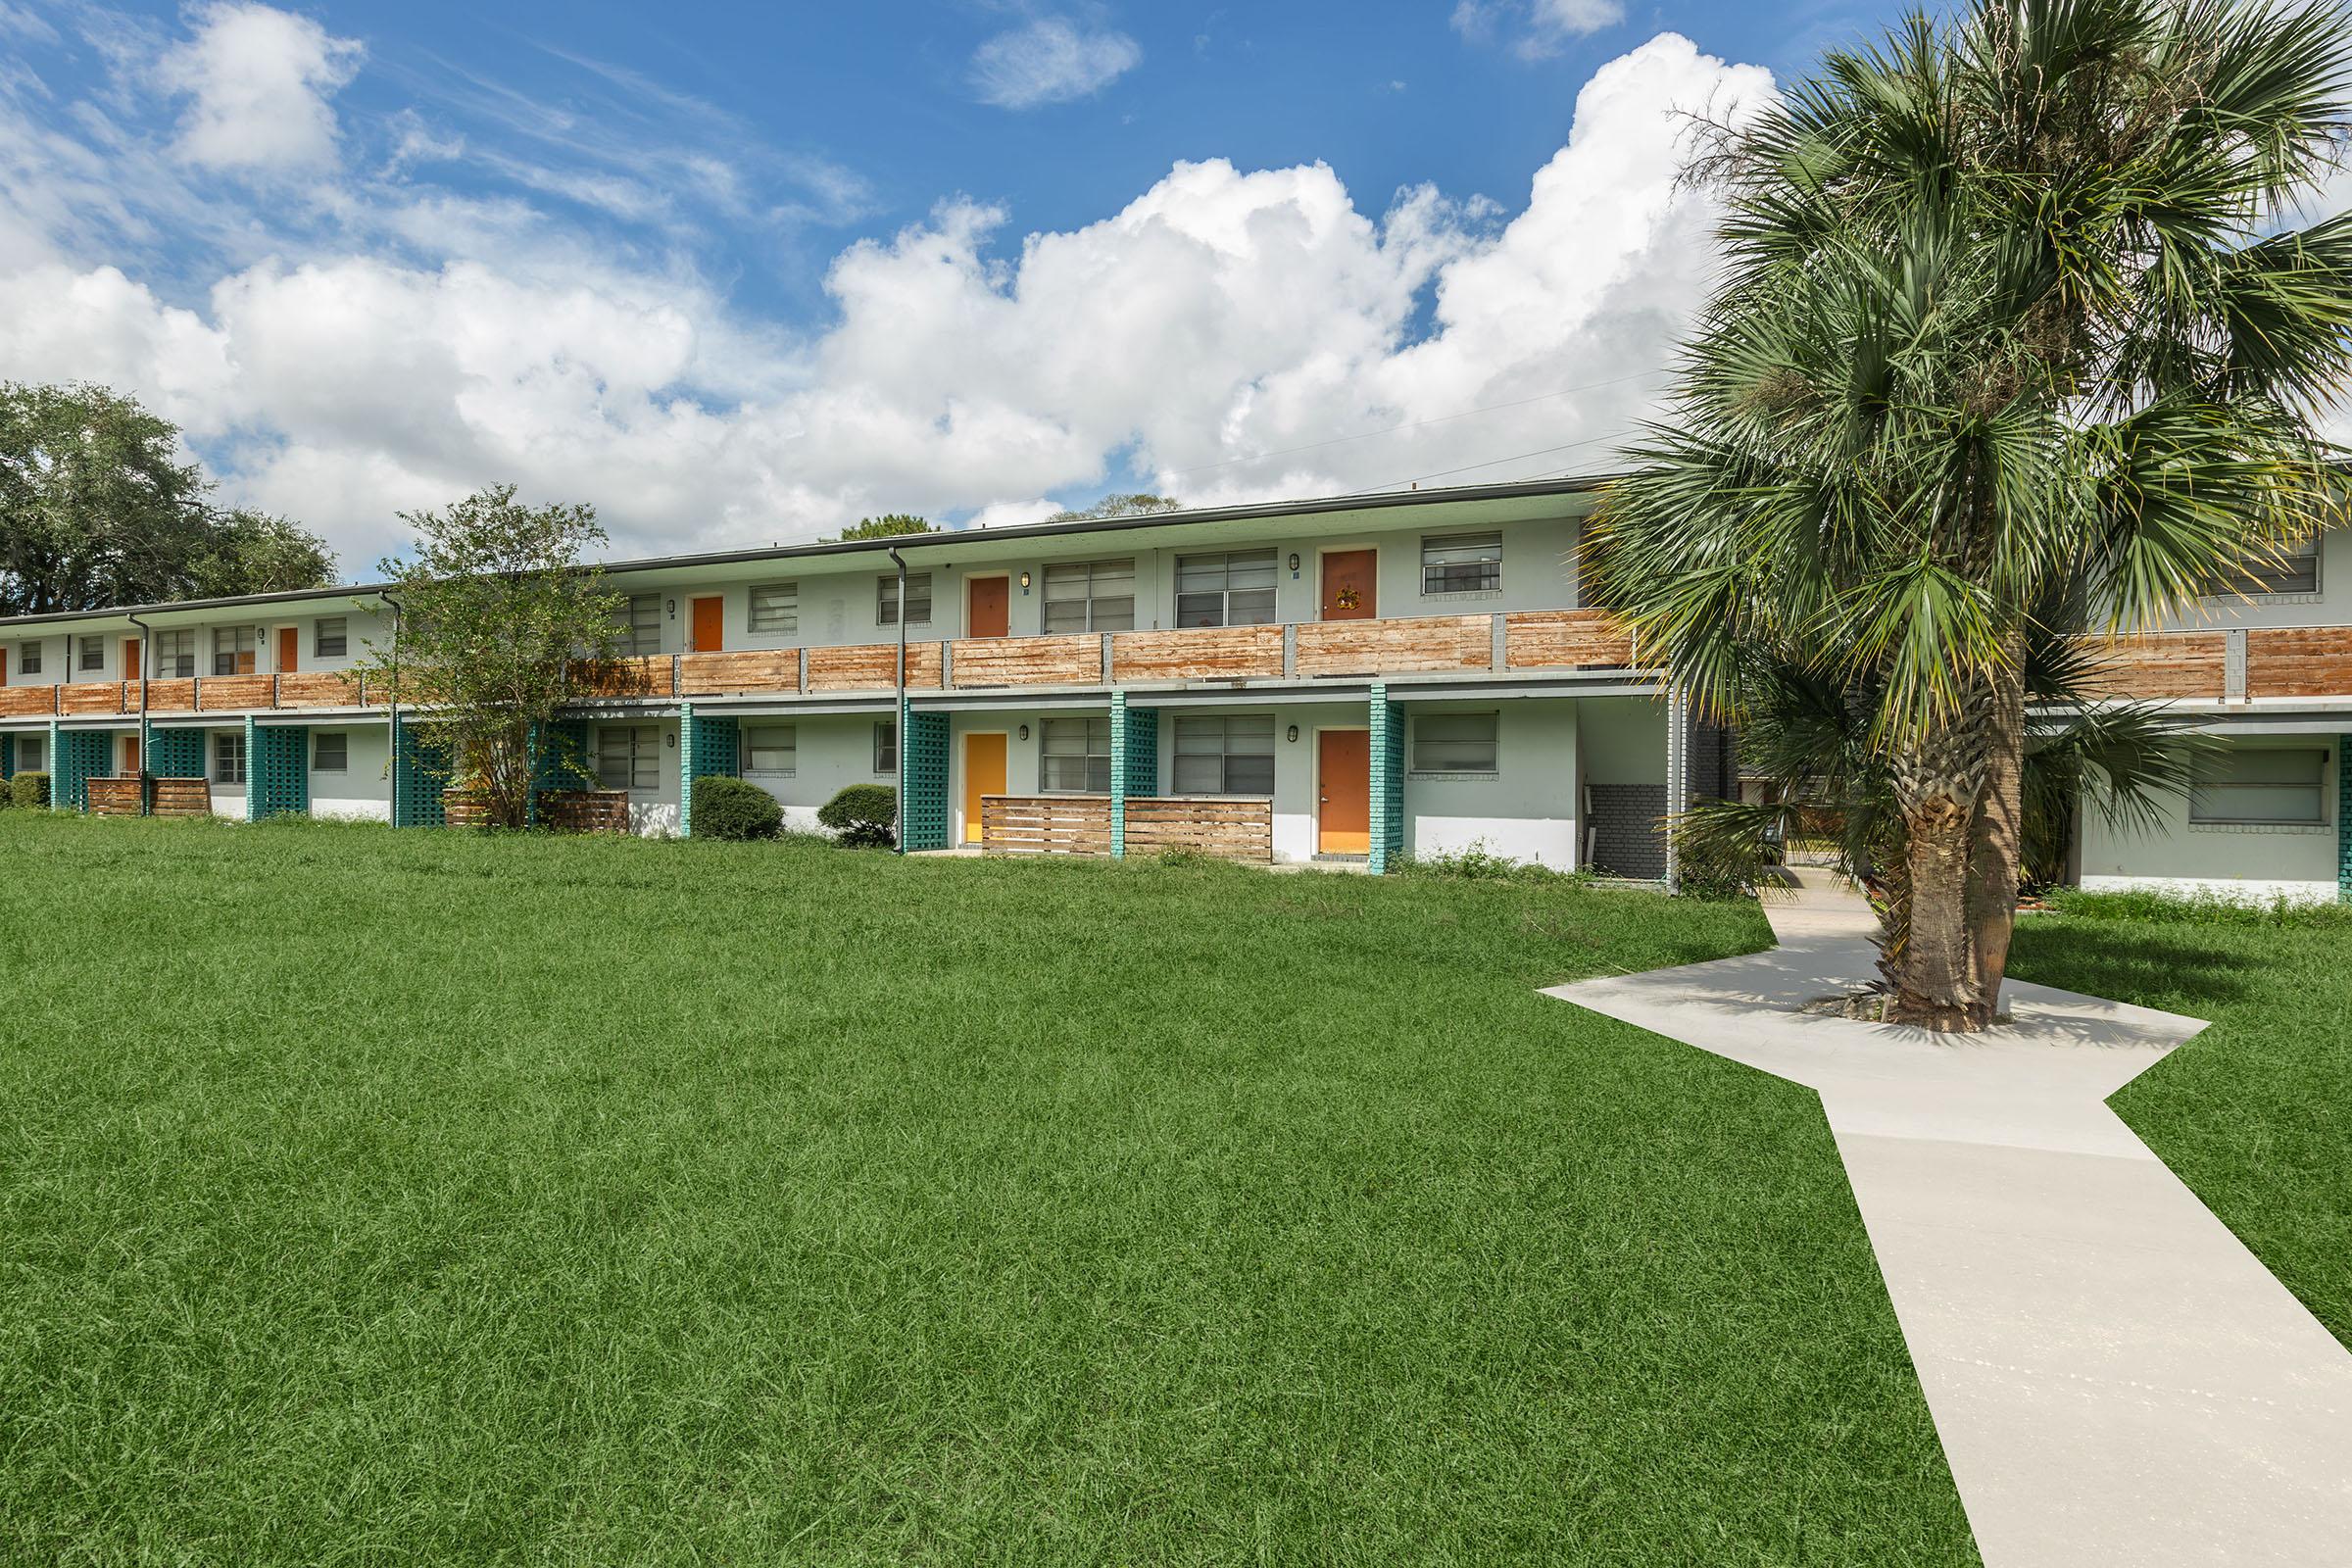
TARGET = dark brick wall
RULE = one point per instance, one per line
(1625, 841)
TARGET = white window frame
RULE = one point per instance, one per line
(1060, 575)
(2201, 814)
(89, 656)
(1225, 591)
(886, 599)
(766, 617)
(1417, 769)
(319, 762)
(641, 752)
(29, 658)
(342, 637)
(1489, 570)
(242, 645)
(1225, 753)
(1049, 729)
(791, 748)
(2256, 580)
(230, 762)
(886, 748)
(39, 760)
(640, 630)
(181, 640)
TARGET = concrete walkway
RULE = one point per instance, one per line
(2116, 1379)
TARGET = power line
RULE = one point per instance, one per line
(1516, 457)
(1413, 424)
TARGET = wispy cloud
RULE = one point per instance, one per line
(1534, 30)
(1050, 60)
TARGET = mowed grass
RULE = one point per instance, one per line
(373, 1197)
(2255, 1114)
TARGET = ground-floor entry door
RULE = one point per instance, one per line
(1343, 792)
(983, 775)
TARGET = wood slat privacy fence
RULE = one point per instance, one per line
(1044, 825)
(166, 797)
(1230, 830)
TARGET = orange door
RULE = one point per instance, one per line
(1343, 792)
(710, 625)
(132, 670)
(131, 756)
(289, 645)
(991, 607)
(983, 775)
(1350, 592)
(3, 667)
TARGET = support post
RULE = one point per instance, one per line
(708, 748)
(1677, 778)
(277, 770)
(922, 779)
(416, 794)
(1387, 781)
(2343, 818)
(1134, 764)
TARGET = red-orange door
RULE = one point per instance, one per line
(289, 645)
(1343, 792)
(132, 670)
(3, 667)
(991, 607)
(131, 756)
(710, 625)
(1350, 592)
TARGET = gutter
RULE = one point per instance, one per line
(146, 663)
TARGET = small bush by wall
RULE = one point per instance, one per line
(863, 815)
(732, 808)
(28, 789)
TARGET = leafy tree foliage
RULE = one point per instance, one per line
(890, 525)
(496, 608)
(97, 509)
(1138, 504)
(2006, 322)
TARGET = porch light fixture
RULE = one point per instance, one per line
(1294, 734)
(1024, 589)
(1024, 727)
(1294, 560)
(670, 740)
(674, 610)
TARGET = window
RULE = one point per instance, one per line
(331, 637)
(331, 752)
(2295, 571)
(29, 752)
(628, 757)
(919, 599)
(1231, 755)
(1455, 743)
(229, 758)
(174, 655)
(1234, 588)
(1091, 596)
(2260, 785)
(1462, 564)
(1076, 757)
(776, 610)
(93, 654)
(640, 629)
(886, 746)
(28, 658)
(770, 748)
(232, 650)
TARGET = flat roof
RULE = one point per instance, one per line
(1317, 506)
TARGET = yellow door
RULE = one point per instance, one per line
(983, 775)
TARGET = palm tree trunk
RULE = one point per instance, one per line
(1996, 841)
(1938, 783)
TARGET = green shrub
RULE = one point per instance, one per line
(1475, 863)
(734, 810)
(862, 816)
(28, 789)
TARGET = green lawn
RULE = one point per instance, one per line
(2255, 1114)
(374, 1197)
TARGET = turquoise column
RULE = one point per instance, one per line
(146, 765)
(174, 754)
(416, 790)
(2343, 818)
(1134, 764)
(923, 772)
(559, 760)
(1387, 780)
(76, 758)
(57, 735)
(8, 758)
(277, 770)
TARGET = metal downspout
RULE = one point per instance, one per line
(898, 719)
(146, 663)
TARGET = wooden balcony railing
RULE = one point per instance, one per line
(2273, 662)
(1517, 640)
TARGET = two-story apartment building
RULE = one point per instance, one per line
(1343, 679)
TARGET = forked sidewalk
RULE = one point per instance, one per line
(2115, 1378)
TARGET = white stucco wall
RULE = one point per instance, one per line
(1526, 811)
(2244, 860)
(831, 752)
(361, 792)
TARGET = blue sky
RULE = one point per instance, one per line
(738, 272)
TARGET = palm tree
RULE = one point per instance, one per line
(2006, 320)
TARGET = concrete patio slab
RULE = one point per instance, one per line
(2115, 1378)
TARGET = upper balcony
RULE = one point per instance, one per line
(2253, 662)
(1538, 640)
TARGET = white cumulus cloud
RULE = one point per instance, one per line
(1050, 60)
(261, 81)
